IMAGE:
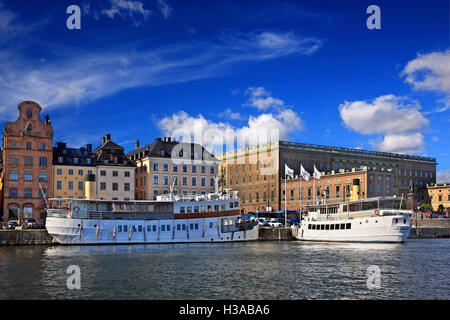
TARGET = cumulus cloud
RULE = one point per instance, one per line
(230, 114)
(398, 119)
(430, 72)
(443, 176)
(261, 99)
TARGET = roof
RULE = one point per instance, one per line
(163, 149)
(69, 154)
(110, 153)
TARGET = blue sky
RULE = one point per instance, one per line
(310, 71)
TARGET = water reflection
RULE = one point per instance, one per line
(257, 270)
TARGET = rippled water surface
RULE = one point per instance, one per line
(418, 269)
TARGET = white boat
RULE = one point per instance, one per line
(368, 220)
(169, 219)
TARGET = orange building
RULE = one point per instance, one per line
(27, 163)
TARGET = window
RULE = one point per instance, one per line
(194, 181)
(211, 182)
(102, 185)
(28, 176)
(80, 172)
(165, 180)
(103, 173)
(13, 192)
(166, 167)
(59, 172)
(127, 173)
(203, 169)
(348, 226)
(59, 185)
(115, 186)
(13, 176)
(29, 114)
(88, 161)
(155, 179)
(28, 193)
(163, 227)
(60, 159)
(28, 146)
(194, 169)
(80, 185)
(175, 168)
(203, 181)
(43, 176)
(184, 181)
(115, 173)
(14, 160)
(161, 152)
(70, 185)
(174, 180)
(155, 166)
(211, 170)
(42, 161)
(70, 172)
(75, 160)
(42, 192)
(126, 187)
(184, 168)
(29, 161)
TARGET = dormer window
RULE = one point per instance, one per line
(60, 159)
(161, 152)
(75, 160)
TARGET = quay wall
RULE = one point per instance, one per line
(25, 237)
(430, 228)
(274, 234)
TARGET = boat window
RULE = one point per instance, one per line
(309, 226)
(119, 228)
(183, 227)
(168, 227)
(209, 208)
(149, 228)
(196, 226)
(163, 227)
(189, 209)
(337, 227)
(332, 227)
(222, 207)
(348, 226)
(314, 227)
(191, 226)
(231, 205)
(154, 228)
(236, 204)
(140, 228)
(210, 225)
(134, 228)
(178, 227)
(203, 209)
(327, 227)
(322, 227)
(125, 228)
(216, 207)
(182, 210)
(344, 208)
(395, 220)
(195, 208)
(404, 220)
(342, 226)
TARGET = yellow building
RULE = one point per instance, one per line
(437, 194)
(70, 167)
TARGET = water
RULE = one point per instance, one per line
(418, 269)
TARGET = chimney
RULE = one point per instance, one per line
(108, 136)
(89, 147)
(136, 143)
(103, 140)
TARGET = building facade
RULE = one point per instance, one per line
(187, 168)
(334, 187)
(258, 171)
(70, 168)
(436, 195)
(115, 172)
(27, 163)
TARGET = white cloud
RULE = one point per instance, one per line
(11, 28)
(230, 114)
(90, 75)
(164, 8)
(261, 99)
(398, 119)
(127, 9)
(443, 176)
(430, 72)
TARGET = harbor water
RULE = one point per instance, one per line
(418, 269)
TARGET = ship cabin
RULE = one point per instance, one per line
(382, 206)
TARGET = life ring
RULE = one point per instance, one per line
(76, 209)
(377, 212)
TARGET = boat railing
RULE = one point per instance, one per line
(108, 215)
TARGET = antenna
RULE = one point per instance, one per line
(44, 195)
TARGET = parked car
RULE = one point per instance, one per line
(32, 223)
(12, 224)
(274, 223)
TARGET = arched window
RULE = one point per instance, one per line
(28, 211)
(13, 212)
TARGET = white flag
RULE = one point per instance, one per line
(305, 175)
(288, 171)
(316, 174)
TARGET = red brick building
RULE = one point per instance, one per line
(27, 163)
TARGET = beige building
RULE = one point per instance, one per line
(70, 168)
(258, 171)
(436, 194)
(115, 172)
(188, 168)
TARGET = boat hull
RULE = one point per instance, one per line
(96, 231)
(381, 229)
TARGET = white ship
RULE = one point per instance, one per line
(368, 220)
(169, 219)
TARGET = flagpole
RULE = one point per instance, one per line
(301, 196)
(315, 193)
(285, 199)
